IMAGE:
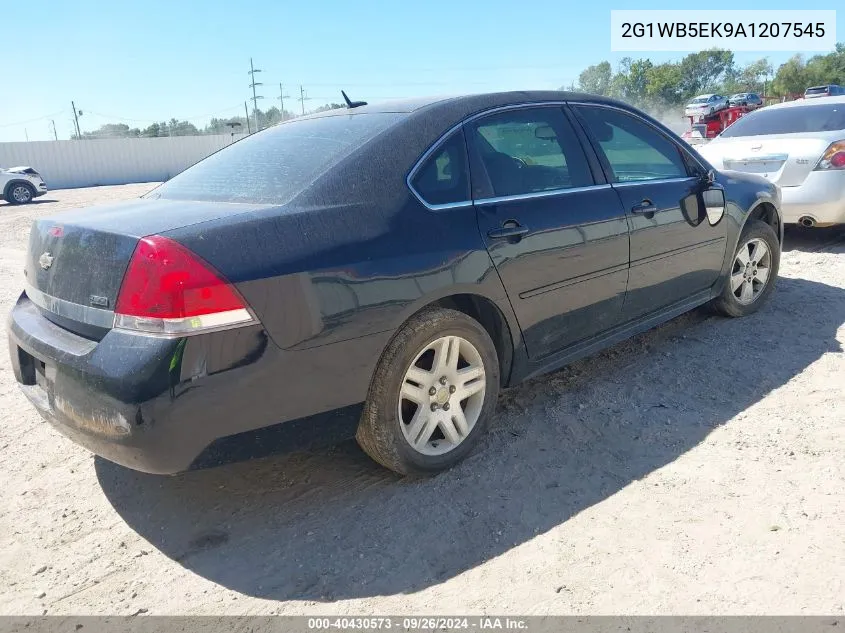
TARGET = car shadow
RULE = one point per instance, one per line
(330, 524)
(29, 204)
(798, 238)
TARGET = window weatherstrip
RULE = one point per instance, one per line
(538, 194)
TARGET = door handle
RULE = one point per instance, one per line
(646, 206)
(509, 230)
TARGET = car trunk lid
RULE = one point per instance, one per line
(76, 261)
(785, 160)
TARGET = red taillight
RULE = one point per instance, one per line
(169, 290)
(838, 160)
(833, 157)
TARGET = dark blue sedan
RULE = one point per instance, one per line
(399, 264)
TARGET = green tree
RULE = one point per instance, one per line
(704, 71)
(791, 77)
(329, 106)
(596, 79)
(663, 84)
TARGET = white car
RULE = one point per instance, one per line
(799, 146)
(20, 185)
(704, 105)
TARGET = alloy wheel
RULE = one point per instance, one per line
(442, 395)
(21, 194)
(751, 271)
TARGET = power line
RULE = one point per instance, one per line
(253, 84)
(40, 118)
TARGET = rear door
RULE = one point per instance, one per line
(558, 237)
(675, 252)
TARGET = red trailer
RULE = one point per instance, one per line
(704, 128)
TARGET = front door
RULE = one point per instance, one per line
(677, 250)
(558, 239)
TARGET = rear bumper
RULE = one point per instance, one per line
(155, 405)
(821, 196)
(113, 409)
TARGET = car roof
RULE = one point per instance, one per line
(469, 102)
(823, 86)
(809, 103)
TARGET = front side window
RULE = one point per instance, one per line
(529, 151)
(633, 150)
(444, 177)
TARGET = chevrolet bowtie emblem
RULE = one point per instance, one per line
(45, 261)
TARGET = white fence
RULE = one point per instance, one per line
(113, 161)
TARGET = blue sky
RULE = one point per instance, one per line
(139, 62)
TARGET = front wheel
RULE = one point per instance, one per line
(753, 273)
(20, 194)
(432, 394)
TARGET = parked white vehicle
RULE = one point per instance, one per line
(20, 185)
(704, 105)
(798, 145)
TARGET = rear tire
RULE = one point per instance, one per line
(415, 420)
(19, 193)
(754, 270)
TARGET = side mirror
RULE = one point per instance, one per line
(714, 204)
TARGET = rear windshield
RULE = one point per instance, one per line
(795, 120)
(700, 100)
(275, 165)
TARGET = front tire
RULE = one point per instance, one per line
(20, 193)
(753, 273)
(432, 394)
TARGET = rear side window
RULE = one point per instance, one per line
(444, 176)
(816, 117)
(529, 151)
(275, 165)
(632, 149)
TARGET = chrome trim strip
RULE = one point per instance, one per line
(757, 159)
(68, 309)
(538, 194)
(655, 181)
(177, 328)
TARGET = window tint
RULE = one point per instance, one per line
(816, 117)
(443, 178)
(529, 151)
(275, 165)
(634, 150)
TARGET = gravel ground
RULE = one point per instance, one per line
(694, 469)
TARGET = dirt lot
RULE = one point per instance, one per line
(695, 469)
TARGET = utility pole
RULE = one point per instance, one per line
(55, 134)
(246, 112)
(282, 97)
(253, 84)
(26, 134)
(303, 98)
(76, 120)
